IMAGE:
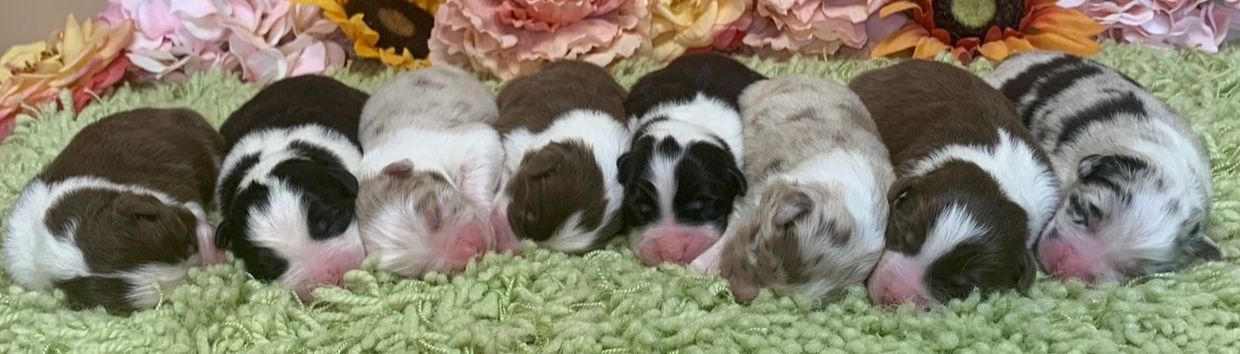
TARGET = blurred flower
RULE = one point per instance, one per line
(812, 27)
(266, 39)
(84, 58)
(994, 28)
(1199, 24)
(394, 31)
(679, 25)
(509, 38)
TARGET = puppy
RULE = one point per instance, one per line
(1136, 178)
(815, 224)
(429, 173)
(563, 129)
(287, 187)
(682, 173)
(119, 216)
(972, 192)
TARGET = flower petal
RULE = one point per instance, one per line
(897, 7)
(1065, 21)
(1065, 43)
(929, 47)
(902, 40)
(996, 51)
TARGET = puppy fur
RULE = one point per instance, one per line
(120, 215)
(1136, 177)
(973, 190)
(682, 173)
(288, 184)
(430, 172)
(563, 129)
(815, 224)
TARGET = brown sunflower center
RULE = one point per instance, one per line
(401, 24)
(972, 18)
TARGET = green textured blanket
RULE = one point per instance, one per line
(606, 302)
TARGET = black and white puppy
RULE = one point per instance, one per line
(682, 173)
(287, 187)
(1136, 177)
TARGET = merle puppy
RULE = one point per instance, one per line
(682, 173)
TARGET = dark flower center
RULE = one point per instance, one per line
(400, 24)
(972, 18)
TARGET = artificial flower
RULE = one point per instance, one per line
(679, 25)
(813, 27)
(993, 28)
(265, 39)
(394, 31)
(509, 38)
(1199, 24)
(84, 58)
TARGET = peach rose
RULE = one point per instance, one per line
(813, 27)
(508, 38)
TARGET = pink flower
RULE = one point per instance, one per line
(509, 38)
(1199, 24)
(813, 27)
(265, 39)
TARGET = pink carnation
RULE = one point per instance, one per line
(1200, 24)
(266, 39)
(811, 27)
(509, 38)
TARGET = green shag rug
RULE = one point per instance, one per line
(606, 302)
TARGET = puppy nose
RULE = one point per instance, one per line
(1065, 261)
(679, 248)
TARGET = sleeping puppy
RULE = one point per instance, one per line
(287, 187)
(814, 224)
(429, 173)
(682, 173)
(1136, 178)
(119, 216)
(972, 193)
(563, 129)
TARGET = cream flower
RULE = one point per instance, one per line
(679, 25)
(813, 27)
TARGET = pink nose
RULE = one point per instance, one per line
(1065, 261)
(894, 294)
(742, 289)
(675, 246)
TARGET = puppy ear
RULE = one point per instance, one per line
(223, 234)
(1028, 271)
(346, 179)
(1104, 165)
(139, 207)
(1203, 248)
(792, 206)
(900, 188)
(543, 162)
(326, 220)
(738, 178)
(624, 167)
(402, 169)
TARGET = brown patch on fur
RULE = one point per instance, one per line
(121, 231)
(554, 183)
(88, 292)
(535, 101)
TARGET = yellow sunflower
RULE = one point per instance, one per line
(394, 31)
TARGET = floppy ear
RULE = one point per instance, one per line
(400, 169)
(327, 220)
(1203, 248)
(223, 234)
(900, 188)
(346, 179)
(624, 168)
(1028, 271)
(791, 207)
(140, 207)
(738, 178)
(541, 163)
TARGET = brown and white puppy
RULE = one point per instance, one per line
(1136, 178)
(563, 129)
(120, 215)
(429, 173)
(815, 224)
(973, 191)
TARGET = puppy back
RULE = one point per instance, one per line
(297, 101)
(174, 151)
(713, 75)
(443, 97)
(535, 101)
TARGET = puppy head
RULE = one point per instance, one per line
(557, 199)
(951, 232)
(414, 222)
(296, 226)
(134, 246)
(677, 197)
(1124, 218)
(800, 239)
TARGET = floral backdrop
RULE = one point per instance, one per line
(268, 40)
